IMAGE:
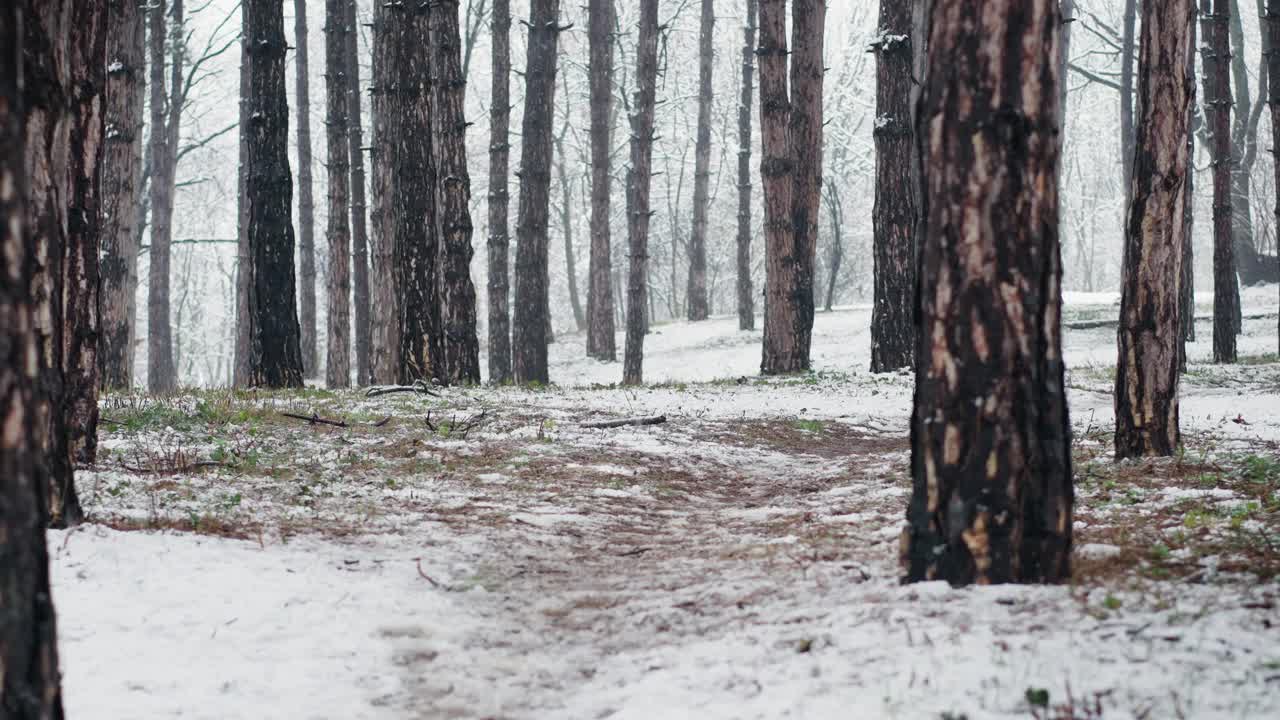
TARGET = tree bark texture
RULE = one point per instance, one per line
(601, 342)
(746, 295)
(275, 357)
(1147, 372)
(529, 327)
(306, 200)
(697, 303)
(991, 463)
(896, 210)
(1271, 18)
(459, 361)
(166, 114)
(1217, 99)
(808, 28)
(337, 137)
(639, 178)
(80, 268)
(50, 120)
(385, 324)
(1128, 49)
(121, 188)
(29, 681)
(777, 171)
(500, 196)
(359, 225)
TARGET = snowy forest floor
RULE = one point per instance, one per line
(484, 555)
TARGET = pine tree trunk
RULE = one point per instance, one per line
(306, 201)
(385, 324)
(529, 336)
(601, 342)
(777, 171)
(50, 121)
(639, 177)
(337, 136)
(991, 463)
(1217, 99)
(161, 374)
(1147, 372)
(244, 261)
(500, 196)
(359, 226)
(29, 680)
(1187, 282)
(275, 358)
(121, 187)
(80, 269)
(459, 361)
(896, 211)
(1271, 18)
(746, 295)
(808, 29)
(696, 294)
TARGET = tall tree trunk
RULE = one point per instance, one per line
(777, 171)
(80, 269)
(1128, 47)
(499, 196)
(808, 30)
(29, 680)
(337, 136)
(50, 120)
(1217, 99)
(746, 295)
(1187, 281)
(601, 343)
(459, 360)
(991, 447)
(1147, 372)
(1272, 20)
(385, 325)
(359, 227)
(1067, 12)
(244, 261)
(161, 373)
(698, 306)
(896, 210)
(837, 245)
(121, 187)
(275, 359)
(529, 347)
(566, 227)
(306, 201)
(639, 178)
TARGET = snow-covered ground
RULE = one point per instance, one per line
(738, 561)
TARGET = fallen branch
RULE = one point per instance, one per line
(606, 424)
(419, 387)
(175, 469)
(316, 419)
(424, 575)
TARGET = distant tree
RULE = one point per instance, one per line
(746, 296)
(529, 337)
(165, 129)
(306, 201)
(499, 196)
(639, 176)
(601, 343)
(359, 226)
(121, 187)
(991, 449)
(275, 360)
(1216, 56)
(1128, 53)
(896, 211)
(566, 230)
(1272, 19)
(698, 304)
(1187, 282)
(1147, 372)
(29, 681)
(337, 136)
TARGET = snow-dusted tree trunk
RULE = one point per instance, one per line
(121, 187)
(746, 295)
(601, 343)
(777, 171)
(698, 306)
(1216, 56)
(639, 177)
(359, 225)
(499, 196)
(166, 118)
(991, 448)
(306, 200)
(1147, 372)
(337, 141)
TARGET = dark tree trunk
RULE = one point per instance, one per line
(991, 462)
(1147, 372)
(1272, 19)
(1187, 281)
(1217, 100)
(896, 209)
(746, 296)
(777, 170)
(808, 29)
(566, 227)
(80, 269)
(275, 359)
(244, 273)
(601, 342)
(415, 242)
(165, 131)
(337, 136)
(29, 681)
(385, 324)
(359, 227)
(50, 120)
(121, 188)
(639, 177)
(696, 294)
(459, 360)
(1128, 48)
(499, 196)
(306, 202)
(529, 346)
(1253, 267)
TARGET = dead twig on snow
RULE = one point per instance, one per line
(316, 419)
(419, 387)
(607, 424)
